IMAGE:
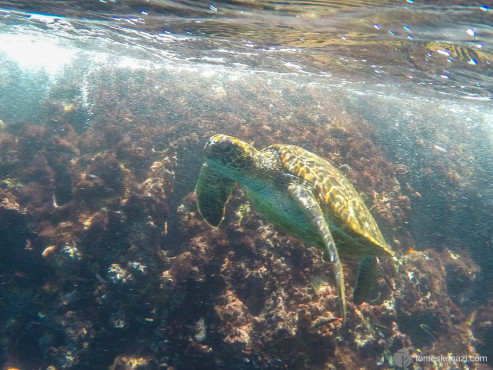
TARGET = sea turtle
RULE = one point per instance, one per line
(301, 193)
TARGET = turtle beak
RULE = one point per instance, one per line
(211, 147)
(207, 147)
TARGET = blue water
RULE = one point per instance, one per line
(104, 104)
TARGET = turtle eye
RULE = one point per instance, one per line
(242, 162)
(235, 157)
(230, 152)
(223, 152)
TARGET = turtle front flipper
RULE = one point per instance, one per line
(212, 192)
(367, 277)
(314, 214)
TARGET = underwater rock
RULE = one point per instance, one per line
(126, 362)
(74, 242)
(481, 322)
(8, 202)
(424, 308)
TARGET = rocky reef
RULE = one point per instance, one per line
(106, 263)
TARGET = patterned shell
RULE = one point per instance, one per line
(336, 195)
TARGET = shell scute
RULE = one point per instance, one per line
(339, 199)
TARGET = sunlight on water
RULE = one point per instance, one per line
(384, 43)
(36, 52)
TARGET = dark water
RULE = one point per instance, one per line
(105, 107)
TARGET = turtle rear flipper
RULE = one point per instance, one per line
(367, 277)
(212, 192)
(314, 214)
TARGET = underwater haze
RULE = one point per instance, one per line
(105, 109)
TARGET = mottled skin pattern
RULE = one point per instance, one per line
(298, 191)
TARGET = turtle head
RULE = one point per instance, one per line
(229, 156)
